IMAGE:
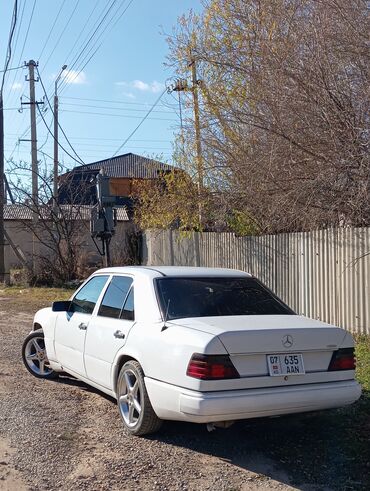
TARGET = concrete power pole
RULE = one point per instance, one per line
(34, 169)
(56, 125)
(31, 67)
(2, 248)
(182, 85)
(195, 83)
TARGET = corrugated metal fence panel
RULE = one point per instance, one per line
(324, 274)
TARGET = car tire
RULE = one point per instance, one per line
(133, 401)
(34, 356)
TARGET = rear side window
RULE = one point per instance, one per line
(128, 311)
(115, 296)
(84, 301)
(216, 296)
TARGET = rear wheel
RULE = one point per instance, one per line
(133, 402)
(34, 356)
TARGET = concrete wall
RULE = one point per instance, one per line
(21, 236)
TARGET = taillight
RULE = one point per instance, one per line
(211, 367)
(343, 359)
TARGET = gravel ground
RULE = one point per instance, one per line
(64, 435)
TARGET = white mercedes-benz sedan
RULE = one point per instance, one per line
(202, 345)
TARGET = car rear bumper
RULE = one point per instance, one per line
(171, 402)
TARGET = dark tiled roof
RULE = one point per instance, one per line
(82, 212)
(127, 165)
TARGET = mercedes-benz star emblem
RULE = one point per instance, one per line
(287, 341)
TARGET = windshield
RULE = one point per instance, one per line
(216, 296)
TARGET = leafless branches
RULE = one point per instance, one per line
(285, 113)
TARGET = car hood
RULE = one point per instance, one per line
(258, 333)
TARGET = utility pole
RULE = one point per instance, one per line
(56, 146)
(31, 67)
(34, 169)
(182, 85)
(195, 83)
(2, 255)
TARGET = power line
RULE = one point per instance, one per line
(28, 30)
(74, 63)
(80, 33)
(61, 35)
(8, 58)
(12, 68)
(100, 35)
(59, 144)
(141, 122)
(51, 29)
(98, 138)
(114, 108)
(61, 129)
(115, 101)
(16, 42)
(9, 47)
(126, 116)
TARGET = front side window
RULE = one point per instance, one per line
(216, 296)
(85, 299)
(114, 297)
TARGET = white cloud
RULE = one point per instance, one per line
(129, 95)
(145, 87)
(74, 77)
(140, 85)
(16, 86)
(153, 87)
(157, 86)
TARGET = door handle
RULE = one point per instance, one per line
(119, 335)
(82, 326)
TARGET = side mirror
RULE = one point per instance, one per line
(61, 306)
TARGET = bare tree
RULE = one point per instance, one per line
(285, 108)
(59, 231)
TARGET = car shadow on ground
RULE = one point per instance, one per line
(313, 451)
(309, 451)
(66, 379)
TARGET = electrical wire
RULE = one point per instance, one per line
(112, 107)
(28, 30)
(141, 122)
(51, 29)
(126, 116)
(85, 46)
(59, 144)
(52, 111)
(83, 29)
(115, 101)
(97, 40)
(61, 35)
(98, 138)
(15, 46)
(11, 68)
(9, 47)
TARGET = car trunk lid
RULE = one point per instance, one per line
(249, 340)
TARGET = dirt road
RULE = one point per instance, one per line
(64, 435)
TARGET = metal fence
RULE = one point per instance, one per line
(324, 274)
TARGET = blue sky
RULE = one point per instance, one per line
(101, 105)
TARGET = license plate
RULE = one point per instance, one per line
(285, 364)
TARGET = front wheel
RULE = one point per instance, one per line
(133, 401)
(34, 356)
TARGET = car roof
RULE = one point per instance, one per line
(157, 271)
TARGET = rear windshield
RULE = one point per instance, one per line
(210, 297)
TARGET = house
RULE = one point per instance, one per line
(78, 186)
